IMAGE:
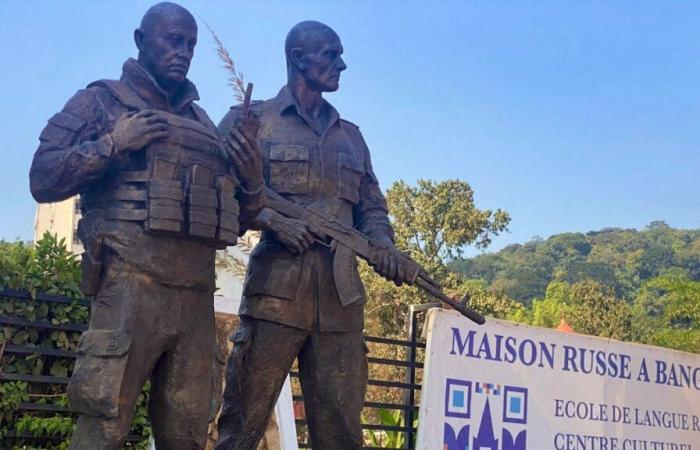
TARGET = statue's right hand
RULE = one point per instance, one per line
(295, 234)
(133, 131)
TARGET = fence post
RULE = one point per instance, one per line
(410, 395)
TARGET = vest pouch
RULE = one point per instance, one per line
(229, 211)
(202, 202)
(98, 376)
(165, 209)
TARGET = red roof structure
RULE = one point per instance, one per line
(564, 327)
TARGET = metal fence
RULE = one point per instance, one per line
(399, 392)
(49, 354)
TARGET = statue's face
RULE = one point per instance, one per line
(167, 48)
(324, 64)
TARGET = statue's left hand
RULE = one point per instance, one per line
(243, 148)
(390, 265)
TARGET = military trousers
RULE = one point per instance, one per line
(332, 372)
(140, 330)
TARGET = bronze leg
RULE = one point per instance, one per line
(124, 302)
(181, 393)
(261, 358)
(333, 371)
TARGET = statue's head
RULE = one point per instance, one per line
(314, 54)
(166, 40)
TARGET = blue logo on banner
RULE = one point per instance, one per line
(461, 404)
(455, 441)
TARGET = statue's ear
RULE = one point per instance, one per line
(138, 39)
(296, 57)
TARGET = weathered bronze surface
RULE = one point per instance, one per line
(157, 196)
(291, 304)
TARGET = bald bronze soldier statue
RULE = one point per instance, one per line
(159, 196)
(291, 307)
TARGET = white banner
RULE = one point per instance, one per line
(505, 386)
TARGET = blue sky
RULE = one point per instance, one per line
(572, 116)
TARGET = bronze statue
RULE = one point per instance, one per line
(159, 195)
(292, 305)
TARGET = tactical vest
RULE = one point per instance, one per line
(187, 188)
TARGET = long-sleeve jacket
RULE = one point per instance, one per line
(327, 168)
(76, 155)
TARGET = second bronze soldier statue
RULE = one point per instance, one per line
(291, 307)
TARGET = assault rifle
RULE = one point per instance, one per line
(347, 242)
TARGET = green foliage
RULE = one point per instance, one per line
(46, 426)
(588, 306)
(388, 439)
(433, 222)
(595, 310)
(45, 267)
(621, 259)
(667, 312)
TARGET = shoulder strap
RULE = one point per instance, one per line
(202, 117)
(121, 92)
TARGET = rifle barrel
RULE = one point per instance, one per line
(459, 307)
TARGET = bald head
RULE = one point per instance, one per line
(165, 11)
(308, 36)
(314, 59)
(166, 40)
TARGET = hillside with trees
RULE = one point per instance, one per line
(620, 259)
(641, 286)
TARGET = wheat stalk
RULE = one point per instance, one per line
(235, 79)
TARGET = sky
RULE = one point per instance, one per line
(570, 115)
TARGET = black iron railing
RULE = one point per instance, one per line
(408, 382)
(9, 439)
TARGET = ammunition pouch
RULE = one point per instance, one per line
(165, 199)
(95, 387)
(202, 202)
(228, 209)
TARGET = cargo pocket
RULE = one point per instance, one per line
(289, 169)
(350, 177)
(95, 387)
(273, 271)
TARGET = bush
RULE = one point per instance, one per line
(47, 267)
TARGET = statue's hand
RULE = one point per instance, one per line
(295, 234)
(242, 146)
(391, 264)
(134, 131)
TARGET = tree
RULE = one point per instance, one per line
(433, 222)
(667, 312)
(549, 311)
(595, 310)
